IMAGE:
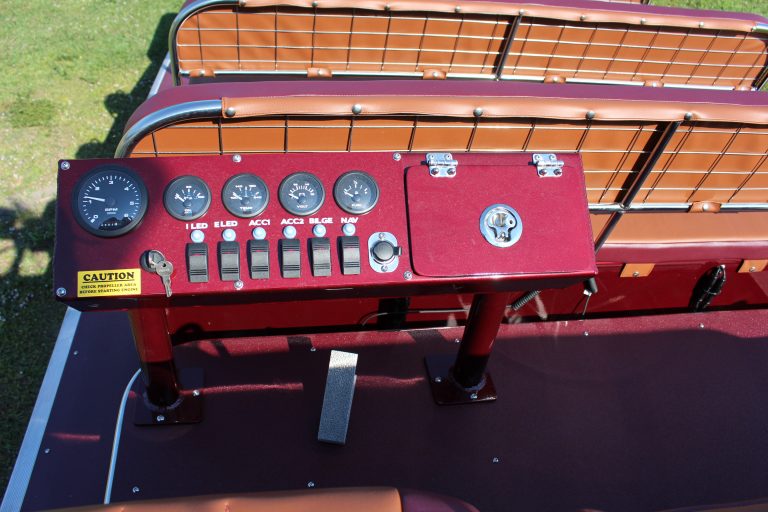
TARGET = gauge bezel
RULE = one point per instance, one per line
(293, 176)
(336, 190)
(240, 214)
(170, 186)
(125, 229)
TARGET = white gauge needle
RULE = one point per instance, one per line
(293, 196)
(235, 196)
(95, 198)
(177, 196)
(348, 194)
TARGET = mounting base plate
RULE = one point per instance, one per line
(445, 389)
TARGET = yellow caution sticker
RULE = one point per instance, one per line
(103, 283)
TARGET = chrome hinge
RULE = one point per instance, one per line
(441, 165)
(547, 165)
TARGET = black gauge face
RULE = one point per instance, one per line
(187, 198)
(110, 201)
(301, 194)
(245, 195)
(356, 192)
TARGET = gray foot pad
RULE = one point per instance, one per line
(337, 402)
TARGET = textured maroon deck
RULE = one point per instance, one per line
(643, 413)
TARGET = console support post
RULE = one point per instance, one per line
(485, 315)
(153, 344)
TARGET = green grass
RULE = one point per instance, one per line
(74, 72)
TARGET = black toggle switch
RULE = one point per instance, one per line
(383, 251)
(197, 262)
(258, 258)
(290, 258)
(321, 256)
(349, 249)
(229, 261)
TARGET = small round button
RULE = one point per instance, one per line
(319, 230)
(229, 235)
(383, 251)
(197, 236)
(348, 229)
(259, 233)
(289, 232)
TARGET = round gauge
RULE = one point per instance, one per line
(245, 195)
(356, 192)
(301, 193)
(109, 201)
(187, 198)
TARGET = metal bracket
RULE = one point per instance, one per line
(441, 165)
(547, 165)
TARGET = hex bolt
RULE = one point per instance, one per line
(237, 158)
(65, 165)
(396, 157)
(61, 292)
(135, 489)
(407, 275)
(160, 418)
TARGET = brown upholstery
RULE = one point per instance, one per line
(326, 500)
(412, 36)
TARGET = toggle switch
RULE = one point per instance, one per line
(349, 249)
(290, 258)
(321, 256)
(197, 262)
(258, 259)
(229, 261)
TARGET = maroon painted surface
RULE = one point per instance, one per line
(645, 413)
(592, 94)
(445, 215)
(77, 250)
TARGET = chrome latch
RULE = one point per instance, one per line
(547, 165)
(441, 165)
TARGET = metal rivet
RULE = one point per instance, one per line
(314, 4)
(196, 392)
(135, 490)
(583, 17)
(438, 379)
(521, 12)
(47, 450)
(688, 116)
(61, 292)
(701, 326)
(396, 157)
(586, 333)
(701, 24)
(242, 3)
(387, 7)
(237, 158)
(357, 108)
(473, 396)
(65, 165)
(643, 21)
(238, 285)
(312, 349)
(230, 111)
(753, 269)
(310, 484)
(407, 275)
(635, 274)
(160, 418)
(457, 8)
(495, 460)
(76, 352)
(590, 114)
(435, 74)
(478, 112)
(456, 340)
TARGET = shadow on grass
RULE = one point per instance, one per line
(29, 315)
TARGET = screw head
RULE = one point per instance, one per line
(433, 172)
(76, 352)
(557, 172)
(456, 340)
(542, 172)
(586, 333)
(495, 460)
(635, 274)
(65, 165)
(382, 236)
(438, 379)
(237, 158)
(583, 17)
(407, 275)
(196, 392)
(312, 349)
(239, 285)
(753, 269)
(160, 418)
(230, 112)
(473, 396)
(61, 292)
(397, 157)
(384, 268)
(357, 108)
(47, 450)
(451, 172)
(135, 489)
(701, 326)
(310, 484)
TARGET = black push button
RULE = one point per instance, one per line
(197, 262)
(321, 256)
(349, 249)
(229, 261)
(290, 258)
(383, 251)
(258, 258)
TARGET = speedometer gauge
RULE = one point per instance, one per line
(109, 201)
(301, 193)
(356, 192)
(245, 195)
(187, 198)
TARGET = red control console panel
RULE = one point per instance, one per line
(272, 227)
